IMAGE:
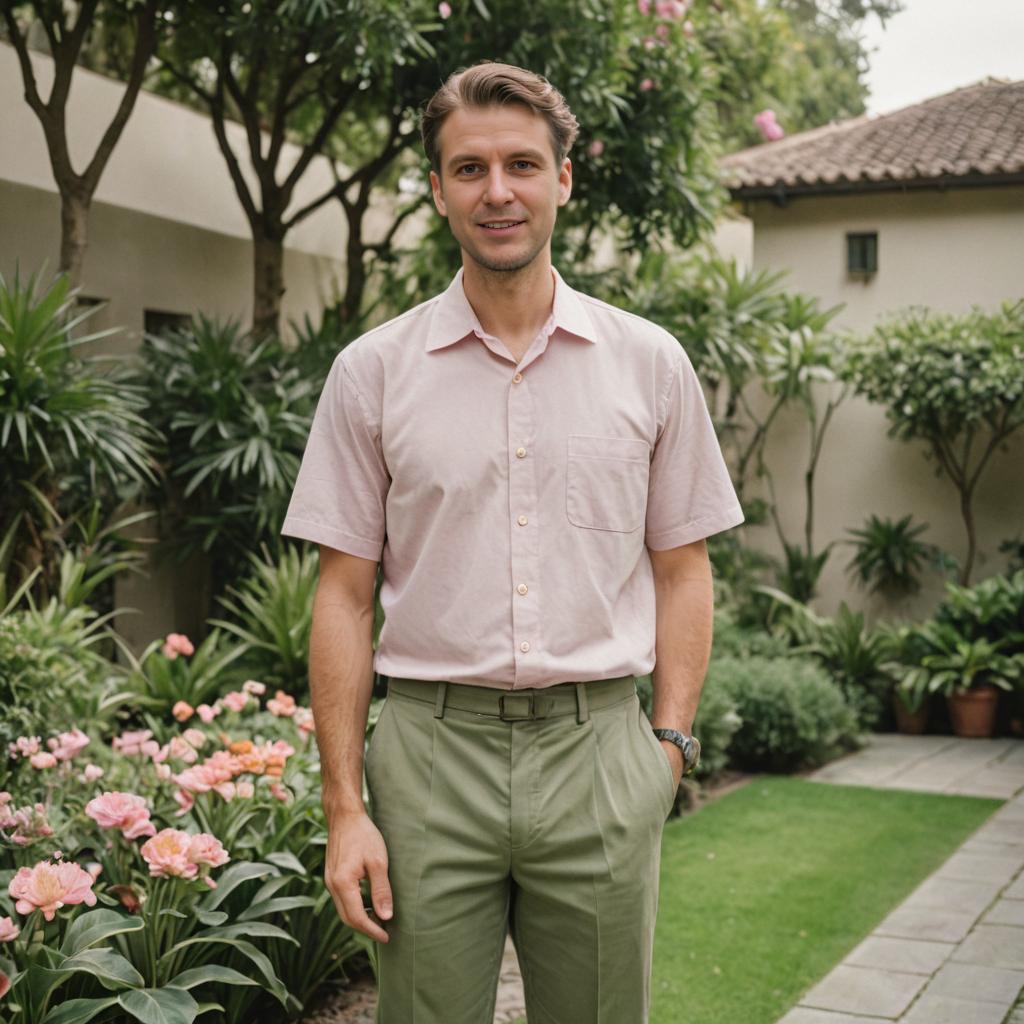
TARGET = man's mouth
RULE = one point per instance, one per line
(500, 226)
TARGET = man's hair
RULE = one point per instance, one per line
(489, 83)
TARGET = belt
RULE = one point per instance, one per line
(519, 705)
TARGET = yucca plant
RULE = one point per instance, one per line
(61, 418)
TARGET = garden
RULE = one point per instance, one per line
(161, 834)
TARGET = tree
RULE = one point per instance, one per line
(954, 382)
(66, 27)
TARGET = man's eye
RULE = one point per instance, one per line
(524, 164)
(469, 168)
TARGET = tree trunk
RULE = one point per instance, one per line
(74, 230)
(268, 283)
(967, 511)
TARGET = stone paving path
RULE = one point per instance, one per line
(953, 951)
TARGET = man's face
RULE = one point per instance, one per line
(500, 186)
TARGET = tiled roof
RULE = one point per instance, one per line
(971, 133)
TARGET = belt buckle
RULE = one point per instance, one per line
(508, 717)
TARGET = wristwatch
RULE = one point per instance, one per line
(689, 745)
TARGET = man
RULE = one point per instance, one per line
(537, 472)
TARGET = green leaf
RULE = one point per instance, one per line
(110, 968)
(160, 1005)
(96, 925)
(287, 861)
(210, 973)
(274, 906)
(78, 1011)
(233, 877)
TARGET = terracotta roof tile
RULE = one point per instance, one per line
(977, 131)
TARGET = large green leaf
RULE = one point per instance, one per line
(233, 877)
(110, 968)
(274, 906)
(210, 973)
(160, 1005)
(78, 1011)
(96, 925)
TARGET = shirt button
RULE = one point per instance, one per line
(524, 646)
(522, 588)
(517, 378)
(520, 453)
(522, 520)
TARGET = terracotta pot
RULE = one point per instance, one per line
(973, 712)
(911, 723)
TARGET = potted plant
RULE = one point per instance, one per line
(911, 694)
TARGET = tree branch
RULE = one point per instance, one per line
(28, 74)
(241, 187)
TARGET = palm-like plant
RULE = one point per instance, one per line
(889, 558)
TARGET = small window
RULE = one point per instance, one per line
(157, 321)
(862, 254)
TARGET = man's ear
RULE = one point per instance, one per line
(565, 182)
(435, 188)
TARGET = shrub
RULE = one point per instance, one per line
(715, 725)
(793, 715)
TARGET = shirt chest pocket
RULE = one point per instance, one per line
(606, 482)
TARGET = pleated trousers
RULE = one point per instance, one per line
(538, 811)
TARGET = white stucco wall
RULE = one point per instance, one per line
(946, 250)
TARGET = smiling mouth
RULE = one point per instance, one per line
(500, 226)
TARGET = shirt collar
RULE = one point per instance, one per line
(454, 318)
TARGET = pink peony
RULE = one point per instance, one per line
(444, 9)
(281, 704)
(44, 759)
(163, 772)
(185, 801)
(92, 772)
(28, 824)
(48, 887)
(177, 643)
(596, 148)
(303, 720)
(254, 687)
(280, 792)
(26, 746)
(207, 849)
(5, 984)
(647, 84)
(207, 713)
(183, 711)
(194, 738)
(130, 743)
(94, 869)
(167, 854)
(9, 931)
(235, 701)
(661, 31)
(244, 790)
(67, 744)
(644, 7)
(125, 811)
(182, 750)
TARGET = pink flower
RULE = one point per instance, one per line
(9, 931)
(48, 887)
(207, 713)
(650, 42)
(647, 84)
(281, 705)
(163, 772)
(92, 772)
(67, 744)
(125, 811)
(25, 745)
(194, 738)
(235, 700)
(94, 869)
(303, 719)
(183, 711)
(661, 31)
(206, 849)
(254, 687)
(688, 29)
(180, 748)
(244, 789)
(770, 129)
(130, 743)
(596, 148)
(28, 823)
(280, 792)
(643, 6)
(444, 9)
(5, 984)
(670, 9)
(167, 854)
(185, 801)
(177, 643)
(44, 759)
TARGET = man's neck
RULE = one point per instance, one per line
(510, 304)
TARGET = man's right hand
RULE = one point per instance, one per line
(356, 850)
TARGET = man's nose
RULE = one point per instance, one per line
(498, 189)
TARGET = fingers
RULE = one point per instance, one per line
(354, 914)
(380, 887)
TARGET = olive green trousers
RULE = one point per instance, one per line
(538, 811)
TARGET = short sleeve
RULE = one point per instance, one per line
(690, 494)
(340, 492)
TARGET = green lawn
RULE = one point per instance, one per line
(766, 889)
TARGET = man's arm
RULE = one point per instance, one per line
(684, 596)
(340, 682)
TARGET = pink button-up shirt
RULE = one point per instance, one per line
(512, 505)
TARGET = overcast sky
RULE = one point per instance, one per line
(936, 46)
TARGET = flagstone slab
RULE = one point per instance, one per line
(970, 867)
(992, 945)
(865, 990)
(1006, 912)
(912, 956)
(931, 1009)
(988, 984)
(805, 1015)
(928, 922)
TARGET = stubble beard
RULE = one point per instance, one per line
(510, 264)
